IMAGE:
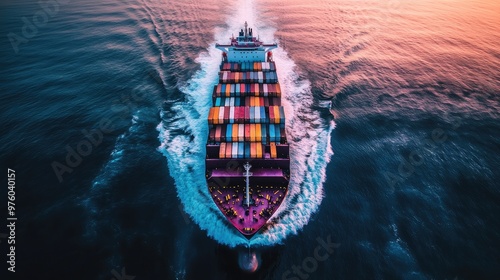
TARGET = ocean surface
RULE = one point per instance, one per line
(392, 116)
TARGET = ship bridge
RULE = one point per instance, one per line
(245, 47)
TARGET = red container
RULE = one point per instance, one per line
(247, 132)
(226, 114)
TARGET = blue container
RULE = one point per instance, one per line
(264, 133)
(278, 134)
(229, 133)
(241, 149)
(282, 115)
(272, 133)
(252, 115)
(247, 149)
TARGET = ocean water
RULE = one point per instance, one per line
(393, 119)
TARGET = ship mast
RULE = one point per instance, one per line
(247, 175)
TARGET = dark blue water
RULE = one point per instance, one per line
(110, 94)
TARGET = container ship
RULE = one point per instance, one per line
(247, 154)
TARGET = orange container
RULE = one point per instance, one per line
(211, 115)
(276, 114)
(216, 115)
(278, 90)
(252, 101)
(228, 90)
(235, 132)
(259, 149)
(257, 90)
(222, 150)
(273, 150)
(253, 150)
(258, 130)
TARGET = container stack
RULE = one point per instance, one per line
(247, 120)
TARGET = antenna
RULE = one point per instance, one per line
(247, 175)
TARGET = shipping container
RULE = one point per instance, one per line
(278, 133)
(258, 132)
(273, 150)
(229, 133)
(272, 133)
(259, 149)
(211, 135)
(229, 148)
(216, 115)
(253, 150)
(241, 132)
(252, 115)
(211, 115)
(218, 130)
(252, 132)
(235, 132)
(223, 129)
(228, 90)
(276, 114)
(271, 114)
(231, 114)
(256, 114)
(226, 114)
(247, 149)
(282, 114)
(247, 113)
(235, 150)
(247, 132)
(241, 149)
(264, 133)
(222, 150)
(263, 117)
